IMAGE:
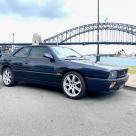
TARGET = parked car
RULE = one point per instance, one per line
(61, 67)
(0, 51)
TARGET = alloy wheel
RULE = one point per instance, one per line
(7, 77)
(72, 85)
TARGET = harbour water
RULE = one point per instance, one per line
(91, 50)
(121, 61)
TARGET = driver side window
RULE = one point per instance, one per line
(38, 52)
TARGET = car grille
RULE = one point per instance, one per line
(122, 73)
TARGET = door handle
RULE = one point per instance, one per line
(25, 62)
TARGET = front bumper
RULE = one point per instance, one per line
(105, 85)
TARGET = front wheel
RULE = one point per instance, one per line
(8, 77)
(73, 85)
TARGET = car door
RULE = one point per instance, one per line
(18, 62)
(39, 67)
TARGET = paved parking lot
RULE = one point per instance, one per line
(27, 110)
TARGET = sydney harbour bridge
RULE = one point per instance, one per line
(109, 33)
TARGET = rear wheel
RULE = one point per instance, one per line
(8, 77)
(73, 85)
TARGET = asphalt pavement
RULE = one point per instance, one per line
(30, 110)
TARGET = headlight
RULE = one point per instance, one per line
(113, 74)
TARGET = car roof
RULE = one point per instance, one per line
(41, 46)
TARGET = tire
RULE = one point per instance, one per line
(8, 77)
(73, 85)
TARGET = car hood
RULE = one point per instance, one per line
(89, 64)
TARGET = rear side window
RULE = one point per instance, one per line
(22, 52)
(38, 52)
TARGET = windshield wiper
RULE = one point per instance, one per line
(70, 56)
(73, 57)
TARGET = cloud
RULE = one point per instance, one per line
(34, 8)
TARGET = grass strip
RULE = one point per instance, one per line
(132, 69)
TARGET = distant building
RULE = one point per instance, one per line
(36, 39)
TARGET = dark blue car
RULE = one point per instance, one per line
(62, 67)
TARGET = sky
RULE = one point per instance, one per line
(49, 17)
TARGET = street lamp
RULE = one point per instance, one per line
(13, 47)
(98, 22)
(106, 20)
(13, 34)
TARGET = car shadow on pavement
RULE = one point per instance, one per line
(101, 96)
(58, 91)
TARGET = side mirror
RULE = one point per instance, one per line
(49, 56)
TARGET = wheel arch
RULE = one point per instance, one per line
(5, 66)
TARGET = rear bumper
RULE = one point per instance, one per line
(105, 85)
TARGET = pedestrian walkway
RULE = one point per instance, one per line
(131, 81)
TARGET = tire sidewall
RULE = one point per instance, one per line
(83, 88)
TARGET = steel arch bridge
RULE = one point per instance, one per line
(109, 33)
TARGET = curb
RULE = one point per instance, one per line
(130, 87)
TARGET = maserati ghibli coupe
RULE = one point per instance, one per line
(61, 67)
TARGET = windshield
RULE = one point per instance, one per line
(63, 52)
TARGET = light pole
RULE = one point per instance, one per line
(12, 49)
(98, 22)
(106, 20)
(13, 34)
